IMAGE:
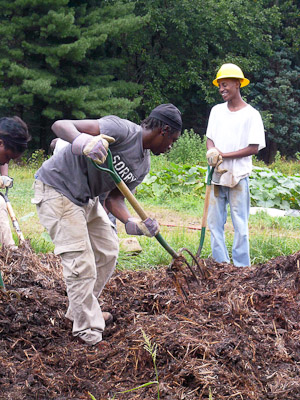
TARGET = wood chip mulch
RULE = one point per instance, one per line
(237, 336)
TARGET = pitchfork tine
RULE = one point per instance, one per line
(192, 271)
(178, 286)
(196, 263)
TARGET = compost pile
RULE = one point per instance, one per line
(237, 337)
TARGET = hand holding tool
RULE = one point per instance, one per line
(6, 182)
(94, 147)
(212, 156)
(218, 172)
(149, 227)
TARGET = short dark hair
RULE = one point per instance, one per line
(14, 133)
(153, 123)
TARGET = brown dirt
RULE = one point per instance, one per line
(237, 337)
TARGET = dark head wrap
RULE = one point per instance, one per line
(169, 114)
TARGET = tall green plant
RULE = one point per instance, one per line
(151, 348)
(189, 148)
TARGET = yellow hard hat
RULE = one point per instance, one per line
(231, 71)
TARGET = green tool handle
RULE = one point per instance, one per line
(205, 209)
(132, 200)
(1, 282)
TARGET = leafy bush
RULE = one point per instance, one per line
(35, 159)
(273, 189)
(173, 181)
(189, 148)
(267, 188)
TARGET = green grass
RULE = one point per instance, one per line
(154, 254)
(265, 247)
(20, 196)
(269, 237)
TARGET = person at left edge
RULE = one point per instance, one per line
(14, 137)
(67, 187)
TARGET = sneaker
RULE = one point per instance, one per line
(13, 247)
(108, 318)
(100, 345)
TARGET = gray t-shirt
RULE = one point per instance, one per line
(79, 180)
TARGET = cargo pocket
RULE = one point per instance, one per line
(78, 246)
(73, 235)
(38, 192)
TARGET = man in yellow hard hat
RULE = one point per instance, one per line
(235, 132)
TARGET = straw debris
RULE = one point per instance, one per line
(237, 336)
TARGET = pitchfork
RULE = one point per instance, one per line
(176, 266)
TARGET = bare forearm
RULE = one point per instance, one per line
(116, 205)
(245, 152)
(209, 144)
(69, 129)
(4, 169)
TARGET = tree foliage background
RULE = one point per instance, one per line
(85, 59)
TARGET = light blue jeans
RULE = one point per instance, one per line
(238, 199)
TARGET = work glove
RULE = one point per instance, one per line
(94, 147)
(6, 182)
(135, 226)
(218, 172)
(212, 156)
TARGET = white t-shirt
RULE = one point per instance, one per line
(60, 144)
(232, 131)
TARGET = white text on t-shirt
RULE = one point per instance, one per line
(123, 170)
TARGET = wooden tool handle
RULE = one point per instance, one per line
(132, 200)
(206, 204)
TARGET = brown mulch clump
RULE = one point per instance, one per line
(237, 336)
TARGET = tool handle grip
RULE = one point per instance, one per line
(14, 221)
(141, 213)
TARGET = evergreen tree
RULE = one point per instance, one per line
(280, 96)
(55, 61)
(277, 91)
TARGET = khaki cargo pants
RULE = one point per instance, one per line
(5, 231)
(88, 246)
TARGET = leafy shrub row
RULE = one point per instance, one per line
(267, 188)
